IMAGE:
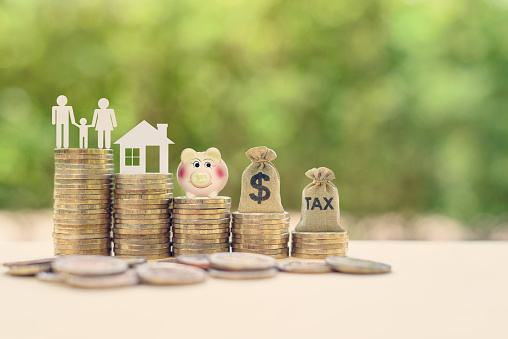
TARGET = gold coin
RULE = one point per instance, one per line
(304, 266)
(240, 247)
(104, 252)
(201, 236)
(218, 200)
(144, 176)
(241, 261)
(243, 275)
(200, 212)
(242, 222)
(62, 177)
(83, 171)
(87, 166)
(223, 247)
(80, 236)
(84, 161)
(141, 208)
(268, 252)
(81, 231)
(297, 253)
(141, 247)
(319, 235)
(202, 221)
(128, 187)
(201, 241)
(256, 237)
(139, 231)
(261, 227)
(145, 197)
(312, 256)
(81, 247)
(82, 207)
(224, 227)
(142, 182)
(103, 181)
(320, 246)
(82, 241)
(196, 260)
(29, 267)
(81, 223)
(160, 221)
(357, 266)
(201, 206)
(170, 274)
(83, 151)
(305, 250)
(154, 211)
(140, 236)
(181, 251)
(257, 216)
(134, 229)
(146, 217)
(279, 243)
(123, 191)
(142, 203)
(317, 242)
(58, 211)
(205, 231)
(259, 232)
(93, 198)
(142, 253)
(141, 241)
(80, 216)
(200, 216)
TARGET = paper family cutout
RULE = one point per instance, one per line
(104, 121)
(202, 174)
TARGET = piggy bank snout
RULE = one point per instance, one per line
(200, 178)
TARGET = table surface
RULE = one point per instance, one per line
(435, 290)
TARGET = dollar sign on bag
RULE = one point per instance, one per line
(257, 182)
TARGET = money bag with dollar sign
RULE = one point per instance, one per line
(260, 183)
(320, 203)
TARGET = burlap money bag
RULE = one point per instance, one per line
(320, 203)
(260, 183)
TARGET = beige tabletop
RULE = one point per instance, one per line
(436, 290)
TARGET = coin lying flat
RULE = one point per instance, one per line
(304, 266)
(197, 260)
(239, 261)
(50, 277)
(134, 261)
(170, 274)
(204, 200)
(243, 275)
(90, 265)
(128, 278)
(357, 266)
(257, 216)
(320, 235)
(29, 267)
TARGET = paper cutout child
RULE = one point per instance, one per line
(83, 133)
(60, 117)
(104, 120)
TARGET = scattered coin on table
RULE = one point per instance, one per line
(90, 265)
(197, 260)
(304, 266)
(133, 261)
(128, 278)
(357, 266)
(170, 274)
(238, 261)
(29, 267)
(50, 277)
(243, 275)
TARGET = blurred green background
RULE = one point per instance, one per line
(405, 100)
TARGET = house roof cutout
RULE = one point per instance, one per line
(145, 134)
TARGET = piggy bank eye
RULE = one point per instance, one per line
(195, 164)
(207, 164)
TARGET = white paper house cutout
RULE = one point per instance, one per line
(133, 148)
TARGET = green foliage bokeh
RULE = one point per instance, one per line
(405, 100)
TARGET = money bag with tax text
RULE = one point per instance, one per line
(260, 191)
(320, 203)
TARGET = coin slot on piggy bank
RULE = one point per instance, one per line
(202, 174)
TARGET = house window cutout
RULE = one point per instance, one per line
(132, 157)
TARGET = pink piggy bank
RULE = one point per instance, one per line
(202, 174)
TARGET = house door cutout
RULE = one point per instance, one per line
(152, 159)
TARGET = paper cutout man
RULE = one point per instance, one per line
(104, 120)
(83, 133)
(60, 117)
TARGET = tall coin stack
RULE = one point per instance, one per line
(82, 208)
(201, 225)
(319, 245)
(261, 233)
(142, 215)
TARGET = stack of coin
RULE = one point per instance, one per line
(319, 245)
(82, 208)
(201, 225)
(261, 233)
(142, 215)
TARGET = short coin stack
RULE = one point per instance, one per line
(142, 215)
(261, 233)
(201, 225)
(82, 207)
(319, 245)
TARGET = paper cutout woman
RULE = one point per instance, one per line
(104, 120)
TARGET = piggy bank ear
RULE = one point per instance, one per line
(213, 154)
(188, 154)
